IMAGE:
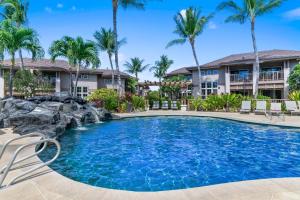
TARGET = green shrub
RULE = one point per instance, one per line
(152, 96)
(138, 103)
(25, 82)
(123, 107)
(294, 78)
(195, 104)
(108, 98)
(294, 96)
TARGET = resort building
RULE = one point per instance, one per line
(236, 74)
(58, 74)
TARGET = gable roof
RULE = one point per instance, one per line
(58, 65)
(249, 58)
(180, 71)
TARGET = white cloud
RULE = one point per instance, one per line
(73, 8)
(293, 14)
(212, 25)
(60, 5)
(183, 13)
(48, 9)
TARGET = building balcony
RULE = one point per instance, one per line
(238, 78)
(276, 76)
(271, 76)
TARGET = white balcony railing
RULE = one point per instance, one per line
(271, 76)
(263, 76)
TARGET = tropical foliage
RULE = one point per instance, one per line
(161, 67)
(80, 53)
(105, 41)
(115, 4)
(138, 103)
(173, 91)
(25, 82)
(107, 98)
(136, 66)
(295, 95)
(249, 11)
(189, 25)
(16, 11)
(13, 39)
(294, 79)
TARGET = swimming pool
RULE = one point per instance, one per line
(168, 153)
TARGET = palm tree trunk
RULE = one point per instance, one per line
(256, 65)
(115, 10)
(137, 85)
(76, 79)
(11, 75)
(198, 66)
(20, 52)
(160, 94)
(112, 71)
(71, 83)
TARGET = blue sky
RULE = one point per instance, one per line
(148, 31)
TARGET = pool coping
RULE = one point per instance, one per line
(55, 186)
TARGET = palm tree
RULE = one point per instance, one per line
(13, 39)
(80, 53)
(250, 10)
(160, 69)
(189, 25)
(115, 5)
(16, 10)
(105, 41)
(135, 66)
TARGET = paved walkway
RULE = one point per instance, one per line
(49, 185)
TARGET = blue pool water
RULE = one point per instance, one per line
(167, 153)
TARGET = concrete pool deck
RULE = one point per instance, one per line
(49, 185)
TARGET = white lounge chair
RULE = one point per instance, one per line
(276, 110)
(174, 105)
(246, 107)
(291, 107)
(155, 105)
(261, 107)
(165, 105)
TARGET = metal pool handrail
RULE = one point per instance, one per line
(7, 168)
(18, 138)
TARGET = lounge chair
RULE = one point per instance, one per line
(165, 105)
(174, 105)
(261, 108)
(246, 107)
(276, 110)
(291, 107)
(155, 105)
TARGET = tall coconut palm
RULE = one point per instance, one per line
(80, 53)
(105, 41)
(160, 68)
(13, 39)
(249, 11)
(189, 25)
(16, 10)
(115, 5)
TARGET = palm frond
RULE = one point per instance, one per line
(268, 7)
(176, 42)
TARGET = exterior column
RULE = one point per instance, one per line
(227, 80)
(255, 75)
(57, 82)
(2, 87)
(286, 74)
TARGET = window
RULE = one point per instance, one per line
(84, 76)
(107, 81)
(203, 72)
(215, 72)
(209, 88)
(208, 84)
(82, 92)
